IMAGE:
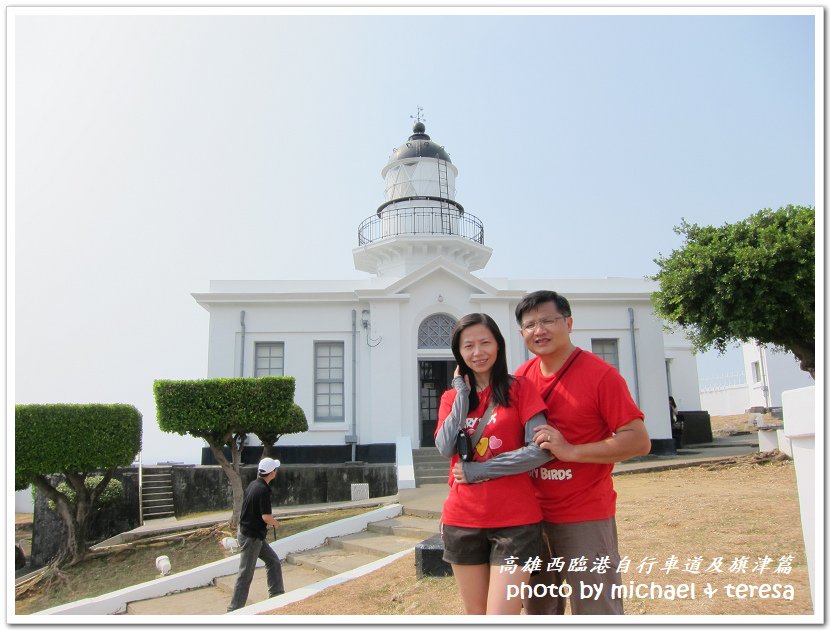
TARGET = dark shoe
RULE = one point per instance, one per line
(276, 594)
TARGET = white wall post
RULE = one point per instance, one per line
(800, 427)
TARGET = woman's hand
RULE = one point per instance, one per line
(458, 473)
(457, 373)
(550, 439)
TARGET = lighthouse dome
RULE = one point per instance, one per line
(418, 145)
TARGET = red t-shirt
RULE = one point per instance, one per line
(590, 403)
(505, 501)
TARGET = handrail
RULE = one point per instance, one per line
(140, 491)
(420, 221)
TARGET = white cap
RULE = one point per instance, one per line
(268, 465)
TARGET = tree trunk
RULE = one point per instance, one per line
(73, 547)
(806, 355)
(234, 478)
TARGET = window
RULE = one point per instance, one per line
(756, 371)
(328, 381)
(607, 350)
(436, 331)
(270, 359)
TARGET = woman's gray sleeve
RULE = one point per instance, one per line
(514, 462)
(446, 437)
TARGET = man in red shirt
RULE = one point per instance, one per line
(594, 423)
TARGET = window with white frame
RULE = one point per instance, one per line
(329, 387)
(270, 359)
(608, 350)
(756, 371)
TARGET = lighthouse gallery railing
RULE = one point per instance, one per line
(420, 221)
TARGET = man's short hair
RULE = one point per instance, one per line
(534, 300)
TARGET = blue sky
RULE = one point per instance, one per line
(153, 154)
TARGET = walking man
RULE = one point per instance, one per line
(253, 526)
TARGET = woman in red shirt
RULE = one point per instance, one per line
(490, 529)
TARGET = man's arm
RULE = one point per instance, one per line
(514, 462)
(270, 520)
(630, 440)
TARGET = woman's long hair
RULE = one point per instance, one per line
(500, 379)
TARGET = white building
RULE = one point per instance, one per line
(372, 357)
(767, 373)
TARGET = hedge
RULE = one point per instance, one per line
(216, 407)
(73, 438)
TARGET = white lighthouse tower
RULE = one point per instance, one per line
(419, 219)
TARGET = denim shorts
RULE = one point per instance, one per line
(491, 545)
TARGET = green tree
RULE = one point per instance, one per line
(77, 442)
(270, 433)
(750, 280)
(223, 412)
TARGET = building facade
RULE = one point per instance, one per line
(372, 357)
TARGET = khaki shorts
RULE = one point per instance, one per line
(591, 540)
(491, 545)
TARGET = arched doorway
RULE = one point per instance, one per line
(435, 373)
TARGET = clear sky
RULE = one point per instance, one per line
(154, 153)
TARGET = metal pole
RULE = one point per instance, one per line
(634, 355)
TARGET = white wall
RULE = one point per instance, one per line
(725, 401)
(387, 375)
(781, 372)
(683, 372)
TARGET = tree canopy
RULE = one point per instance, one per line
(753, 280)
(223, 411)
(269, 433)
(74, 441)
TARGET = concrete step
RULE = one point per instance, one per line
(409, 526)
(432, 471)
(330, 560)
(208, 600)
(293, 576)
(157, 486)
(428, 457)
(340, 554)
(157, 497)
(158, 513)
(372, 543)
(421, 480)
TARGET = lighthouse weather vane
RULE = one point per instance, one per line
(419, 117)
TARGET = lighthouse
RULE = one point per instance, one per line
(419, 219)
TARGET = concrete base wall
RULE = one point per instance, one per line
(206, 488)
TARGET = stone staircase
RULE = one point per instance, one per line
(300, 569)
(430, 466)
(157, 492)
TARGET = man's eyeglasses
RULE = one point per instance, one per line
(546, 323)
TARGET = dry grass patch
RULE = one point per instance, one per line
(746, 507)
(135, 563)
(740, 423)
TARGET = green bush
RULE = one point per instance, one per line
(213, 408)
(63, 438)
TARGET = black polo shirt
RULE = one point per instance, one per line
(257, 502)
